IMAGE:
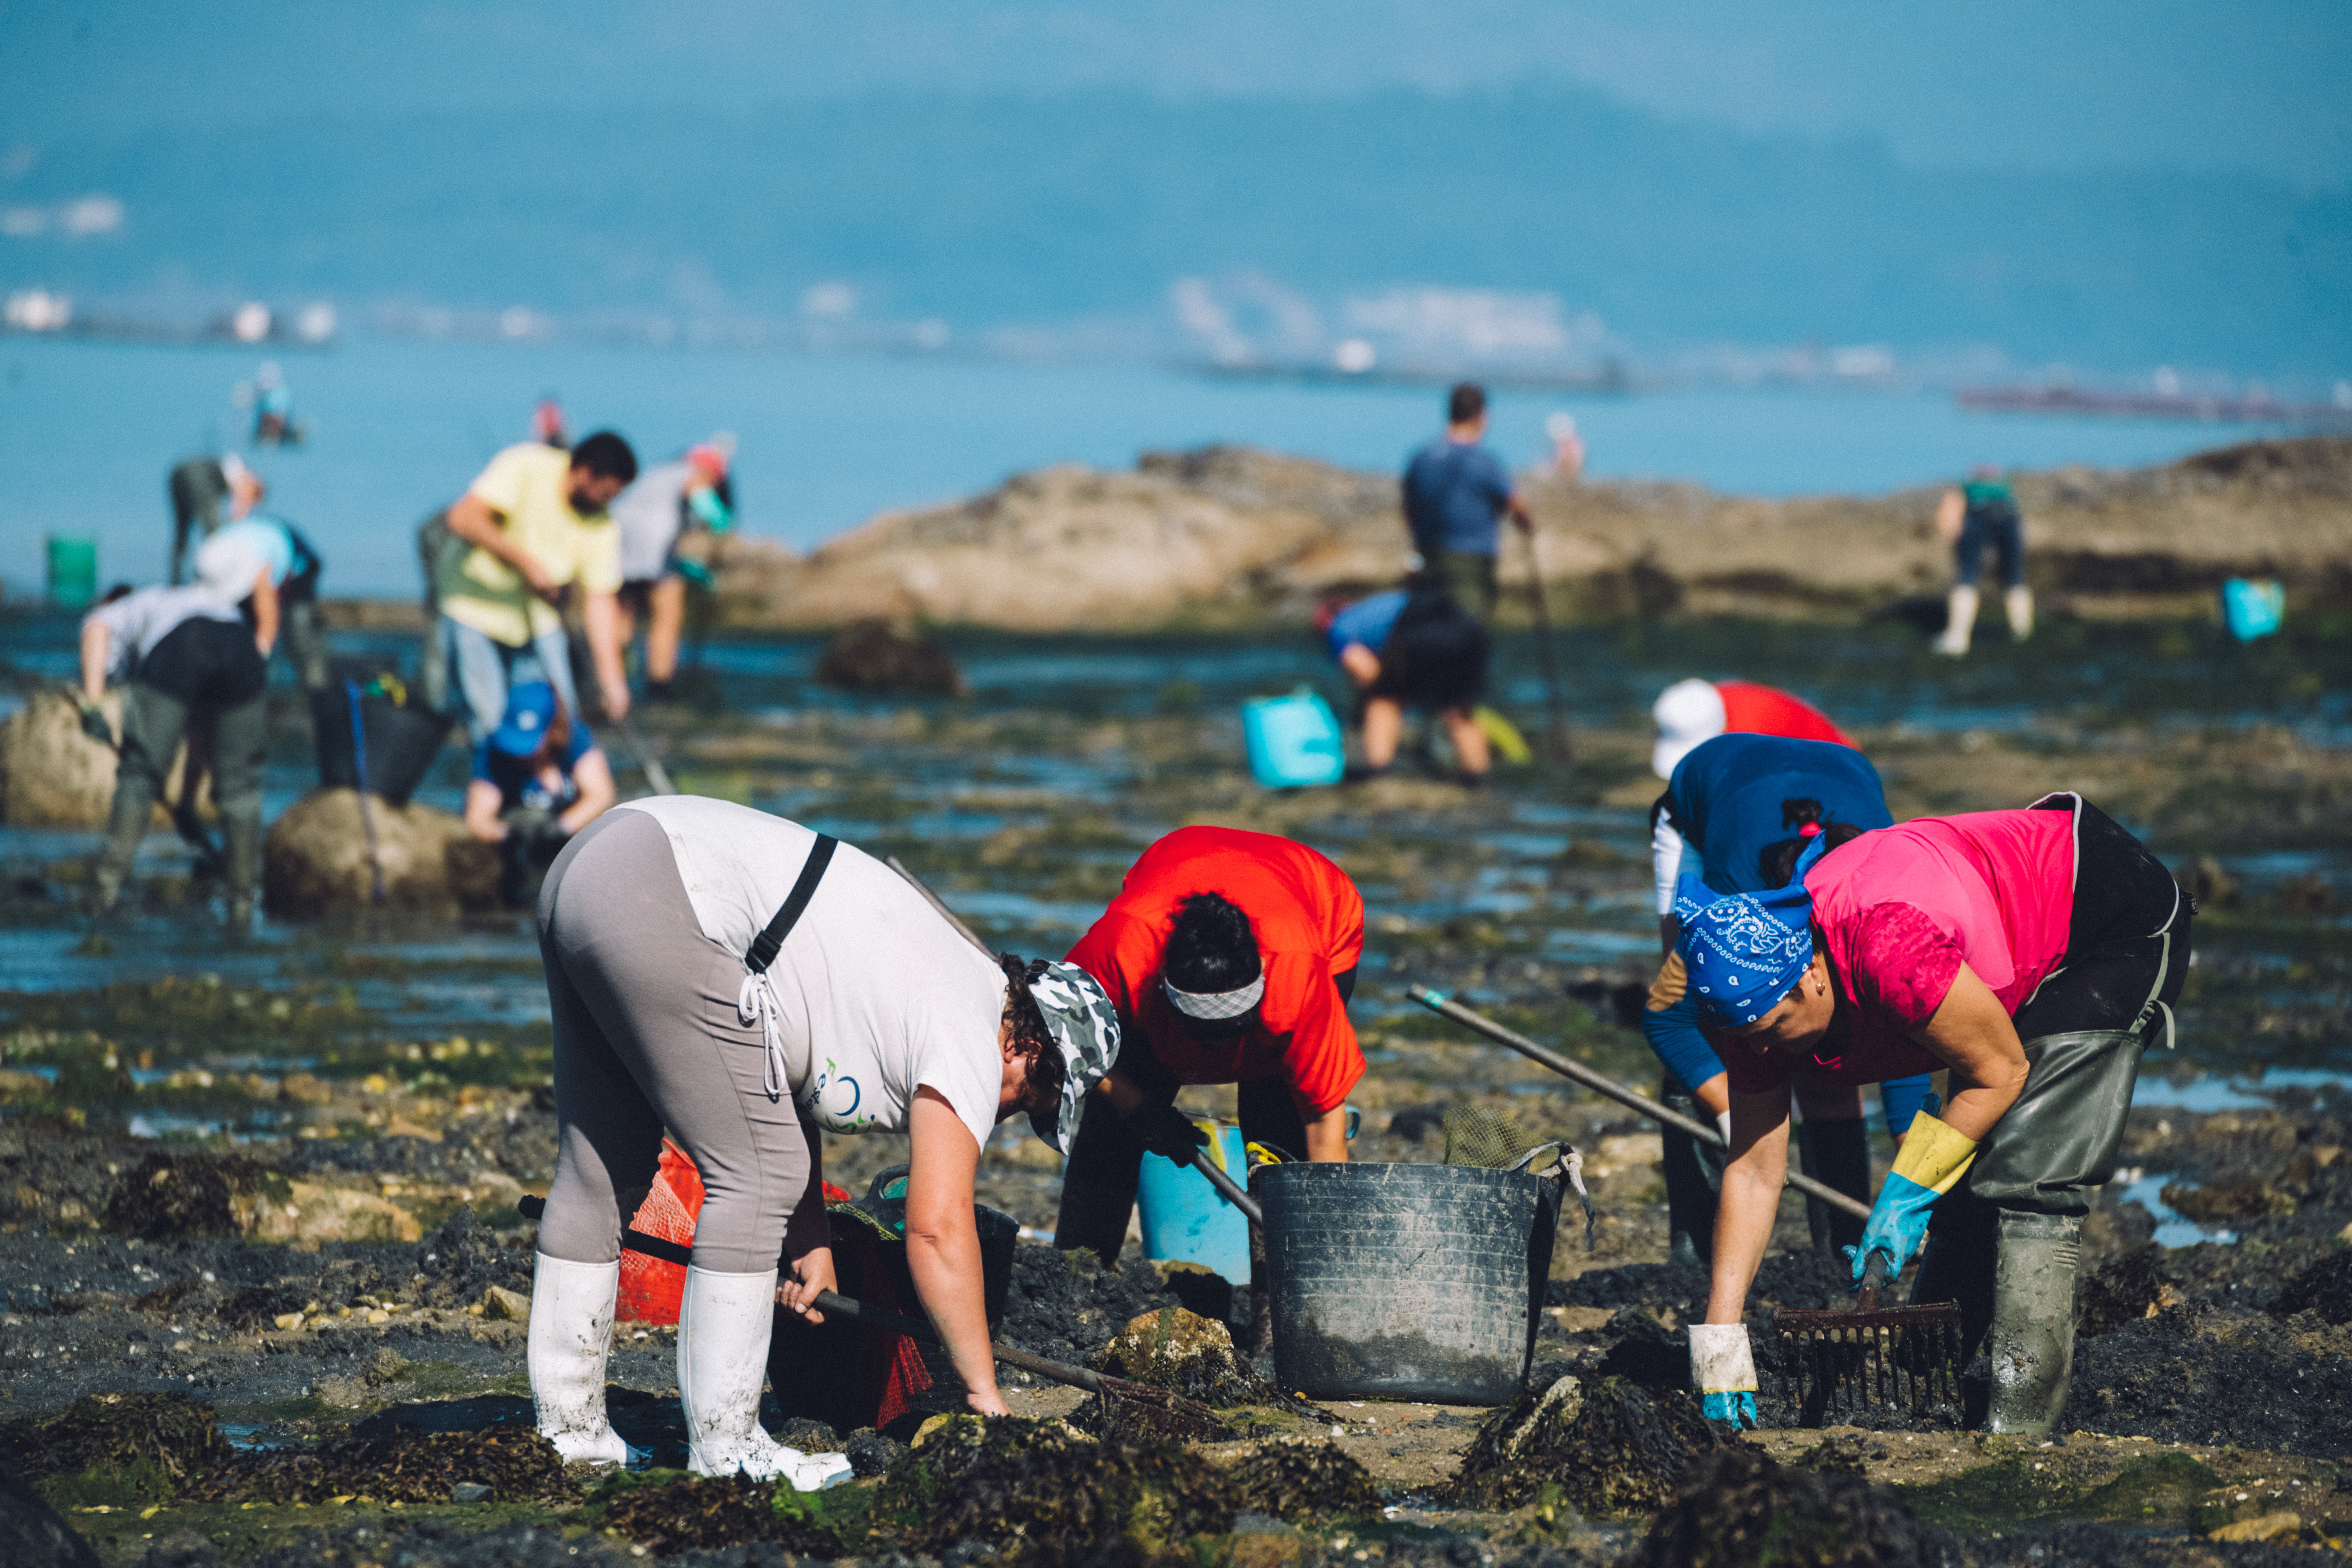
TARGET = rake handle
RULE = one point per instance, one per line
(1445, 1007)
(922, 1333)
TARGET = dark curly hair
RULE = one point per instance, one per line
(1027, 1022)
(1211, 946)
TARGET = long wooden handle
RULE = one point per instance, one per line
(1445, 1007)
(922, 1333)
(936, 902)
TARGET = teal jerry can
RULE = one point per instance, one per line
(2254, 608)
(1294, 741)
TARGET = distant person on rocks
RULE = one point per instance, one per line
(537, 780)
(1566, 445)
(200, 489)
(273, 409)
(1456, 493)
(1231, 958)
(1976, 516)
(187, 659)
(652, 513)
(1736, 814)
(1420, 649)
(536, 524)
(547, 425)
(294, 568)
(1689, 713)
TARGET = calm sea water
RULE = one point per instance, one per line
(88, 431)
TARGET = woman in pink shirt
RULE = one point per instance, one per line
(2032, 955)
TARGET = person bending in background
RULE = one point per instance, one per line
(199, 487)
(1230, 958)
(539, 779)
(664, 501)
(188, 659)
(1736, 814)
(1689, 713)
(2031, 954)
(1421, 649)
(1973, 517)
(1456, 494)
(531, 525)
(294, 568)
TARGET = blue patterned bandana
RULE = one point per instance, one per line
(1744, 952)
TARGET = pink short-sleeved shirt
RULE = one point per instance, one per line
(1899, 910)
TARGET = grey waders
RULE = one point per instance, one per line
(2006, 1241)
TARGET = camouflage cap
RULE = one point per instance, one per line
(1083, 1022)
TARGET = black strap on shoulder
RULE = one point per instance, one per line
(763, 951)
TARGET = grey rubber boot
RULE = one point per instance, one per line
(243, 852)
(2032, 1344)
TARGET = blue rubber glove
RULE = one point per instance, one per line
(1898, 1224)
(1738, 1408)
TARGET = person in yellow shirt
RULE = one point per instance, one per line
(535, 518)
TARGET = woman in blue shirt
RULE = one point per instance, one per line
(1736, 814)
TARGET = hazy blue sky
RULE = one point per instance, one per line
(2251, 85)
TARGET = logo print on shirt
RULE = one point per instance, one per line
(834, 1096)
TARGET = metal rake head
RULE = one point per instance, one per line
(1839, 1361)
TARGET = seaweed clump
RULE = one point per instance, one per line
(151, 1444)
(1303, 1480)
(2124, 1291)
(679, 1512)
(1616, 1448)
(1047, 1494)
(1737, 1508)
(1194, 1356)
(167, 1196)
(517, 1464)
(2325, 1288)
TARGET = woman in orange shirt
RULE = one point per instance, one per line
(1230, 957)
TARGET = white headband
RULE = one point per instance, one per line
(1215, 1004)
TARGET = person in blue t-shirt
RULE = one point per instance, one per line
(1417, 647)
(537, 779)
(1456, 494)
(1738, 811)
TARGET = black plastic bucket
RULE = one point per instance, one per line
(402, 742)
(1412, 1282)
(838, 1372)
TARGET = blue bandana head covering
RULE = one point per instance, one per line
(1744, 952)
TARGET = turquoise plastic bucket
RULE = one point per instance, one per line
(1294, 741)
(2253, 609)
(73, 572)
(1186, 1221)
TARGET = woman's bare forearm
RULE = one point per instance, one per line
(1750, 1200)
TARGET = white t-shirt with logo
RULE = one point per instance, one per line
(878, 996)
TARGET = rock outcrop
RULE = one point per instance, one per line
(1227, 536)
(317, 859)
(876, 655)
(53, 775)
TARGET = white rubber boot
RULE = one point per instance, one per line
(1960, 624)
(2020, 612)
(570, 1330)
(724, 1322)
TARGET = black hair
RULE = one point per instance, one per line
(1778, 861)
(607, 457)
(1211, 946)
(120, 591)
(1030, 1036)
(1465, 402)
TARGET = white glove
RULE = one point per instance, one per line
(1723, 1125)
(1724, 1371)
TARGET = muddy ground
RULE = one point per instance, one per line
(281, 1180)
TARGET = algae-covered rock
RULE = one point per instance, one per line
(1303, 1480)
(152, 1445)
(1045, 1493)
(314, 1212)
(316, 859)
(166, 1196)
(1192, 1356)
(516, 1463)
(1736, 1509)
(673, 1512)
(53, 775)
(32, 1535)
(1614, 1448)
(878, 656)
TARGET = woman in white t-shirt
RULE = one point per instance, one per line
(742, 981)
